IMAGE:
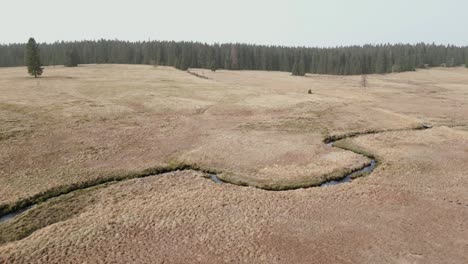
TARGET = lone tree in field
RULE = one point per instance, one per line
(33, 59)
(299, 67)
(213, 66)
(72, 59)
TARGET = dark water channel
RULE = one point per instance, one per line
(12, 215)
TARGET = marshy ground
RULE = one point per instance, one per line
(81, 126)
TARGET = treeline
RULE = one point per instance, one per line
(299, 60)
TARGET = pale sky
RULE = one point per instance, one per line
(292, 23)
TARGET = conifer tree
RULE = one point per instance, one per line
(381, 62)
(213, 66)
(301, 67)
(33, 59)
(298, 66)
(73, 58)
(234, 60)
(294, 69)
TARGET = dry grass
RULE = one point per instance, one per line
(411, 209)
(102, 180)
(48, 213)
(81, 126)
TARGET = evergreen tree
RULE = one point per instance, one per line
(234, 59)
(294, 69)
(73, 59)
(213, 66)
(381, 62)
(299, 66)
(33, 59)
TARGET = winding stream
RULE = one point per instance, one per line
(351, 176)
(348, 178)
(329, 142)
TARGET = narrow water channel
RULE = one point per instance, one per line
(215, 179)
(348, 178)
(12, 215)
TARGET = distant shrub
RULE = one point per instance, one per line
(72, 58)
(299, 67)
(213, 66)
(451, 62)
(396, 68)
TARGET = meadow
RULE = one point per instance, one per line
(117, 161)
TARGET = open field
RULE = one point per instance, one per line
(77, 127)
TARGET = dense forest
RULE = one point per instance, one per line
(298, 60)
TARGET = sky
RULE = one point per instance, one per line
(324, 23)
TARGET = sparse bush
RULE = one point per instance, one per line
(396, 68)
(73, 59)
(213, 66)
(451, 62)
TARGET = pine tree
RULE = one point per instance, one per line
(33, 60)
(299, 66)
(213, 66)
(72, 58)
(294, 69)
(381, 62)
(234, 60)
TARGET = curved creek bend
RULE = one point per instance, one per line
(367, 169)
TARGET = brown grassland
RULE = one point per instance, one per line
(115, 125)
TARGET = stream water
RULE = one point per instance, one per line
(12, 215)
(348, 178)
(215, 178)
